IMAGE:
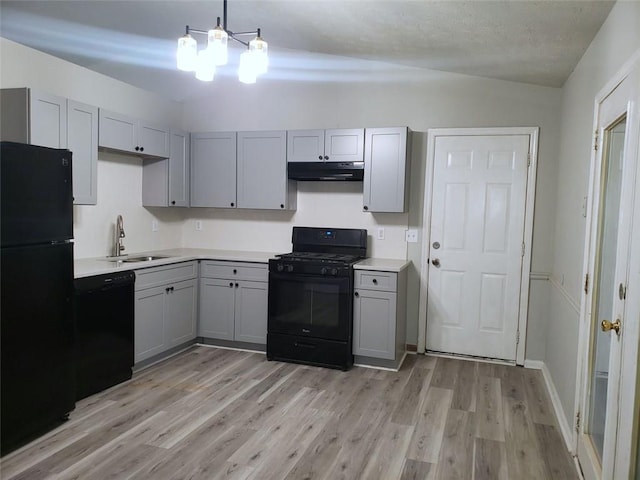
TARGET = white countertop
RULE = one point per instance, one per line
(382, 264)
(86, 267)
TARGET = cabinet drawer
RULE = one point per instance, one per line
(373, 280)
(155, 276)
(235, 270)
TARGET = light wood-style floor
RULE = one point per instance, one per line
(211, 413)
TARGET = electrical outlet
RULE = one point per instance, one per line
(411, 236)
(380, 233)
(198, 225)
(154, 225)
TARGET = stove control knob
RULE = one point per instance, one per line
(334, 271)
(280, 267)
(323, 271)
(289, 268)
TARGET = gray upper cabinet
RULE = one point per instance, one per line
(118, 132)
(262, 171)
(83, 142)
(386, 170)
(336, 145)
(38, 118)
(153, 139)
(128, 134)
(213, 169)
(305, 146)
(179, 162)
(165, 181)
(30, 116)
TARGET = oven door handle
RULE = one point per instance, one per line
(304, 345)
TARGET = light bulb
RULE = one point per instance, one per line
(205, 69)
(187, 53)
(217, 45)
(246, 70)
(259, 48)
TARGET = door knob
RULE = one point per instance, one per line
(436, 262)
(607, 326)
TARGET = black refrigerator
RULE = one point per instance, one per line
(37, 327)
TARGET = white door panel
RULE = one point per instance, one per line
(477, 229)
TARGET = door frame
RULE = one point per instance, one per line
(432, 135)
(620, 464)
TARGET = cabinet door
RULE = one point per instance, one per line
(83, 142)
(179, 169)
(213, 169)
(149, 322)
(48, 120)
(305, 146)
(251, 312)
(181, 313)
(117, 132)
(385, 170)
(153, 139)
(262, 170)
(374, 324)
(344, 145)
(217, 308)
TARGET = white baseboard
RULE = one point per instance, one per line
(565, 427)
(534, 364)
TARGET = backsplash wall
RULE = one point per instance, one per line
(320, 204)
(120, 193)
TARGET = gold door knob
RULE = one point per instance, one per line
(607, 326)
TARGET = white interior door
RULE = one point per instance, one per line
(605, 437)
(476, 244)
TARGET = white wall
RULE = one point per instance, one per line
(365, 94)
(616, 41)
(418, 98)
(119, 176)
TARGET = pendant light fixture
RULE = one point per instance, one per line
(253, 62)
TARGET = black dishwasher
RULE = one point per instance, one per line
(104, 310)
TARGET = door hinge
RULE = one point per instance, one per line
(528, 159)
(595, 143)
(518, 337)
(578, 422)
(523, 248)
(586, 283)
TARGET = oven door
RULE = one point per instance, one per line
(310, 305)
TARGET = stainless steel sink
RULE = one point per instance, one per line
(138, 258)
(145, 258)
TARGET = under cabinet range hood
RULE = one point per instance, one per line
(326, 171)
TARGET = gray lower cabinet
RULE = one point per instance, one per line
(166, 301)
(379, 324)
(233, 301)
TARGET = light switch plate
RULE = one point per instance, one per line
(411, 236)
(380, 233)
(198, 225)
(154, 225)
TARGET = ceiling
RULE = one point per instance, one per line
(531, 41)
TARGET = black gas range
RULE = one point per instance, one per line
(311, 297)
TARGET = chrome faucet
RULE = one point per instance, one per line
(119, 247)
